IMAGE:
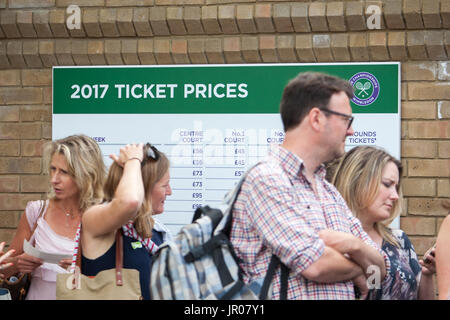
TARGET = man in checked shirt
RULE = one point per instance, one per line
(287, 208)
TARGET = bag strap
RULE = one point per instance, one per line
(119, 255)
(232, 197)
(41, 212)
(284, 281)
(214, 214)
(274, 262)
(233, 290)
(79, 253)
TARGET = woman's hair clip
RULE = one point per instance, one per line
(152, 152)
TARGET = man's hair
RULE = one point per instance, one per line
(152, 169)
(308, 90)
(358, 176)
(85, 165)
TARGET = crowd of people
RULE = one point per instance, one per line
(325, 213)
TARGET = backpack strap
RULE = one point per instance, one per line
(274, 262)
(214, 214)
(233, 291)
(284, 281)
(212, 246)
(232, 197)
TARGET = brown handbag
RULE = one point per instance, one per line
(21, 284)
(18, 288)
(111, 284)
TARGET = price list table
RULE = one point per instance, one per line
(208, 153)
(202, 172)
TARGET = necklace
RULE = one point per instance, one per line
(69, 216)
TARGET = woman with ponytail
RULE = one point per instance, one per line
(136, 188)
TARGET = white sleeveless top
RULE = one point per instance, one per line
(43, 282)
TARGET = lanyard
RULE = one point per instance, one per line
(75, 249)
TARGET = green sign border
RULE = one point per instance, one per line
(265, 84)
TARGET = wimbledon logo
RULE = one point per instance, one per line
(366, 88)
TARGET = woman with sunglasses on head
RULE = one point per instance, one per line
(136, 188)
(368, 178)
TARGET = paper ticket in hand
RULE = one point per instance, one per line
(44, 256)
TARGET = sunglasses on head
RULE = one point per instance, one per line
(152, 152)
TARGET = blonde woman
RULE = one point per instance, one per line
(77, 174)
(369, 180)
(136, 189)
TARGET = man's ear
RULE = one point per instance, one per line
(315, 118)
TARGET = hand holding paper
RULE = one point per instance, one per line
(44, 256)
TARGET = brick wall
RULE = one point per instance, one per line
(34, 37)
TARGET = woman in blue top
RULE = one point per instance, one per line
(136, 188)
(368, 178)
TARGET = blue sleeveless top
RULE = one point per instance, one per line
(134, 257)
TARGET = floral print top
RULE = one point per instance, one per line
(405, 271)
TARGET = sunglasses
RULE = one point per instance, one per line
(152, 152)
(346, 116)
